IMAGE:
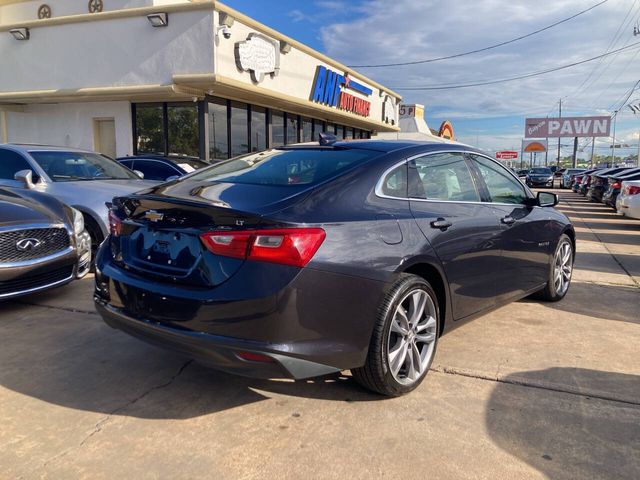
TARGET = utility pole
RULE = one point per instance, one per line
(593, 150)
(560, 116)
(575, 151)
(613, 143)
(546, 150)
(522, 155)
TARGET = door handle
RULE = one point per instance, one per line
(441, 223)
(508, 220)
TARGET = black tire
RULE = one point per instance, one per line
(376, 373)
(96, 238)
(549, 293)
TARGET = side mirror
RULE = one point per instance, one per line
(139, 173)
(547, 199)
(26, 177)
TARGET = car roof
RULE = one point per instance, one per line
(387, 146)
(34, 147)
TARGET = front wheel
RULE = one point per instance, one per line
(559, 273)
(404, 339)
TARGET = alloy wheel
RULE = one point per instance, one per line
(412, 337)
(563, 266)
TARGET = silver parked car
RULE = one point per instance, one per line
(82, 179)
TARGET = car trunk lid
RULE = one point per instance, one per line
(160, 231)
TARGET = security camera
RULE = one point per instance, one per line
(226, 31)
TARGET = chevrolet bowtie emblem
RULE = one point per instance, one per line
(153, 216)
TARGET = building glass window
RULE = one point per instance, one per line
(218, 140)
(318, 128)
(184, 137)
(149, 129)
(258, 129)
(340, 132)
(292, 128)
(307, 130)
(239, 129)
(348, 133)
(277, 128)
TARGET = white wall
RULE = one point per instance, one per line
(70, 124)
(116, 52)
(297, 70)
(28, 11)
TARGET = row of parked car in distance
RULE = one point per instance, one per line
(617, 187)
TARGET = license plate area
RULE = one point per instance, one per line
(172, 253)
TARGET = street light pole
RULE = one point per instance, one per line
(613, 144)
(560, 116)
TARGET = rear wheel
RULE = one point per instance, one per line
(96, 235)
(559, 273)
(404, 339)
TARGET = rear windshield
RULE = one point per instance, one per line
(541, 171)
(285, 167)
(72, 166)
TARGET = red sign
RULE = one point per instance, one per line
(507, 155)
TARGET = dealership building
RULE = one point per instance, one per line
(180, 77)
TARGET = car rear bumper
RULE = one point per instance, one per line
(309, 321)
(221, 353)
(629, 205)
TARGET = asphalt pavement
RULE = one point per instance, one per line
(532, 390)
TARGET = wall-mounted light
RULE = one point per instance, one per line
(285, 47)
(20, 33)
(226, 19)
(158, 19)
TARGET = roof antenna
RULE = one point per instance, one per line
(327, 139)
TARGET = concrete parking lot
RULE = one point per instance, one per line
(529, 391)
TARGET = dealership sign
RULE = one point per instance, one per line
(330, 88)
(567, 127)
(506, 155)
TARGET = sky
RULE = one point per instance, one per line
(369, 32)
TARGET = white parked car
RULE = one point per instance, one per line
(628, 202)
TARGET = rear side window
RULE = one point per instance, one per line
(286, 167)
(442, 176)
(156, 170)
(394, 183)
(10, 163)
(127, 163)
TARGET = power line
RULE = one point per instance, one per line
(520, 77)
(613, 41)
(501, 44)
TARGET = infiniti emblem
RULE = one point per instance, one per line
(27, 244)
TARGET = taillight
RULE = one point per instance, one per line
(615, 185)
(255, 357)
(288, 246)
(115, 224)
(632, 190)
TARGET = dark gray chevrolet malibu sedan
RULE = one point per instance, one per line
(310, 259)
(43, 243)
